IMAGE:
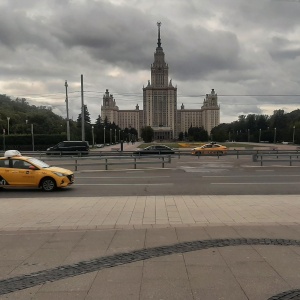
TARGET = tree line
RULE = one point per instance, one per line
(19, 120)
(277, 128)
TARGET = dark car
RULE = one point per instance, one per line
(155, 149)
(70, 147)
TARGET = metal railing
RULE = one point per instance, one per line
(106, 161)
(278, 157)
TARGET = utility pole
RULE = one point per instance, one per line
(67, 107)
(32, 137)
(82, 112)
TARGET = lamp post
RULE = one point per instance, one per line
(67, 108)
(93, 137)
(110, 131)
(104, 135)
(259, 135)
(119, 135)
(3, 139)
(275, 135)
(115, 135)
(294, 134)
(8, 118)
(32, 137)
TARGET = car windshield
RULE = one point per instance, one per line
(38, 163)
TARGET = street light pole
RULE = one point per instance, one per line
(275, 135)
(32, 137)
(110, 131)
(248, 135)
(93, 137)
(259, 135)
(115, 135)
(67, 108)
(8, 118)
(3, 139)
(294, 134)
(104, 135)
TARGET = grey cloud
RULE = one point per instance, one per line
(236, 47)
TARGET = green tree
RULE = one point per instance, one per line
(87, 118)
(147, 134)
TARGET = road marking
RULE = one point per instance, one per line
(249, 176)
(130, 184)
(123, 177)
(256, 183)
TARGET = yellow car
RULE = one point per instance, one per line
(211, 148)
(22, 171)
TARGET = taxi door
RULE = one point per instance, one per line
(21, 175)
(5, 174)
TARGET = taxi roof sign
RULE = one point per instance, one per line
(12, 153)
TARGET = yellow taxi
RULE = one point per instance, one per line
(23, 171)
(211, 148)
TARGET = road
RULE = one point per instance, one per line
(187, 175)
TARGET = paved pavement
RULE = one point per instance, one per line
(88, 235)
(176, 247)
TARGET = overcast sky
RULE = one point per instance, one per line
(248, 51)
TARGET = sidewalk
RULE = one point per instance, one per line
(259, 258)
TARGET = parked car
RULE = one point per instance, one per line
(23, 171)
(155, 149)
(69, 147)
(211, 148)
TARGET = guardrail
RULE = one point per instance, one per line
(178, 153)
(114, 160)
(279, 157)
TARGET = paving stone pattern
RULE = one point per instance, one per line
(30, 280)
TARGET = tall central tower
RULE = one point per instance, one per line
(160, 97)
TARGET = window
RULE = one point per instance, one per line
(4, 163)
(20, 164)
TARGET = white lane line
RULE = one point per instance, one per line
(249, 176)
(123, 177)
(129, 184)
(249, 183)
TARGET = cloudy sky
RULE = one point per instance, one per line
(248, 51)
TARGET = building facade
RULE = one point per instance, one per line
(160, 106)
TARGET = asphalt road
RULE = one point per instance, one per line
(187, 175)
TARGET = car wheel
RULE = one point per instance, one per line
(48, 184)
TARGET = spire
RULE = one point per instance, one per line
(158, 42)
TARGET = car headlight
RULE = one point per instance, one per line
(59, 174)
